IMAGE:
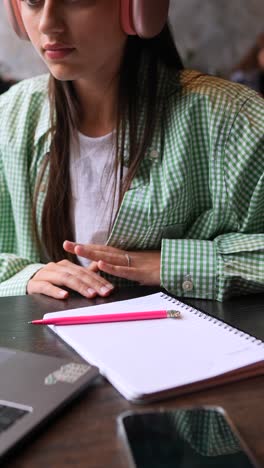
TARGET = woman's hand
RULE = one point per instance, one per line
(140, 266)
(49, 279)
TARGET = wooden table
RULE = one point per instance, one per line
(85, 434)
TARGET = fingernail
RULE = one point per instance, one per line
(91, 291)
(63, 293)
(105, 289)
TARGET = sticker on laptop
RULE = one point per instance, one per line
(69, 373)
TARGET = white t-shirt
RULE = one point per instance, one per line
(92, 182)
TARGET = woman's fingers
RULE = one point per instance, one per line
(80, 270)
(116, 258)
(46, 288)
(98, 252)
(79, 279)
(140, 266)
(87, 275)
(87, 284)
(91, 251)
(133, 274)
(64, 278)
(93, 267)
(69, 246)
(143, 267)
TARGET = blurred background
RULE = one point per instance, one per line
(211, 35)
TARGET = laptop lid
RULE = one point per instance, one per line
(33, 387)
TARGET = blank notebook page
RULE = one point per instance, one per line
(149, 356)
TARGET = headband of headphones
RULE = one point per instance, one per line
(138, 17)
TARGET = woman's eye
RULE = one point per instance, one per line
(32, 2)
(38, 3)
(35, 3)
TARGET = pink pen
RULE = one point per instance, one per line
(105, 318)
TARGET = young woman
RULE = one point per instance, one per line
(122, 167)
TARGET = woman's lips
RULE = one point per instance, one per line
(60, 53)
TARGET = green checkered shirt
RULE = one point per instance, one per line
(198, 195)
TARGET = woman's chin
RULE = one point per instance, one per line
(61, 73)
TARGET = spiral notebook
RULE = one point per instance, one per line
(153, 359)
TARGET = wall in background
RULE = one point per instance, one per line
(17, 58)
(211, 35)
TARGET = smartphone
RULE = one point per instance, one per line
(183, 438)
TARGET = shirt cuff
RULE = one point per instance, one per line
(17, 284)
(189, 268)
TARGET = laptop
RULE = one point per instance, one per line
(32, 388)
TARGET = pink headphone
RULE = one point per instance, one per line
(138, 17)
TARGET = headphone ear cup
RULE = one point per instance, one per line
(13, 13)
(143, 18)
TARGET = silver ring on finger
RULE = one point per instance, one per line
(128, 258)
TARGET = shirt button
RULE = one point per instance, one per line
(154, 154)
(187, 285)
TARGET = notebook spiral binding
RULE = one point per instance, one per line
(214, 321)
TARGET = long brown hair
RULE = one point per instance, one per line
(65, 112)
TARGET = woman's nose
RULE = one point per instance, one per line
(51, 17)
